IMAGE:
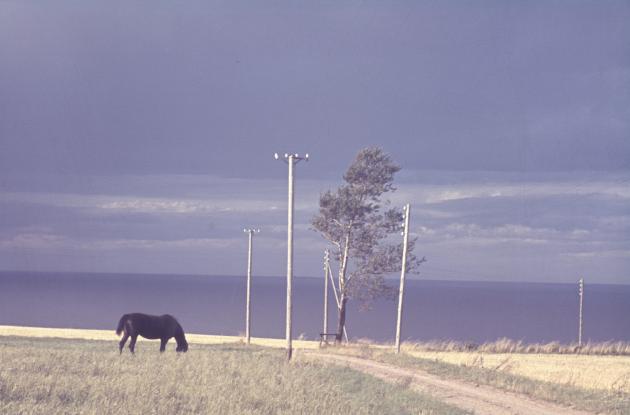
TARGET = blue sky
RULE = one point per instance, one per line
(138, 137)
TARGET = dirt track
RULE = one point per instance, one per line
(478, 399)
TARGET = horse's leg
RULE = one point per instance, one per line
(163, 342)
(123, 341)
(132, 343)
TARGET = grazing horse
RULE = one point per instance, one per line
(151, 327)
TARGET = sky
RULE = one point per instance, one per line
(139, 136)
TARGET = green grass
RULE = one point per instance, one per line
(60, 376)
(580, 398)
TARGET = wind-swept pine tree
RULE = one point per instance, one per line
(360, 224)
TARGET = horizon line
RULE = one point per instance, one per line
(408, 278)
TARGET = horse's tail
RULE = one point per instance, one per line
(121, 324)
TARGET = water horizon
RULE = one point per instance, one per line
(395, 279)
(475, 311)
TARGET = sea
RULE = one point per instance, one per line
(433, 310)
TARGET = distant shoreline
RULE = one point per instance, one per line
(501, 346)
(476, 312)
(110, 335)
(412, 278)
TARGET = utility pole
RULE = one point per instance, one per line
(581, 294)
(250, 233)
(401, 291)
(291, 160)
(326, 267)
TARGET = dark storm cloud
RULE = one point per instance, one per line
(217, 88)
(138, 136)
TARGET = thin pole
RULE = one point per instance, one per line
(249, 284)
(580, 327)
(325, 295)
(291, 159)
(289, 258)
(401, 291)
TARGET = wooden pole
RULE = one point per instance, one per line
(401, 291)
(580, 324)
(249, 284)
(291, 160)
(289, 259)
(326, 266)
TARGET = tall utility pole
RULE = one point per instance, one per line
(401, 291)
(291, 160)
(326, 267)
(250, 233)
(580, 325)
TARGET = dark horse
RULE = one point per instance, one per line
(151, 327)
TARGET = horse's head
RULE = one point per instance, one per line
(182, 344)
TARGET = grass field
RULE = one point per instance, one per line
(61, 376)
(589, 382)
(110, 335)
(563, 364)
(69, 370)
(605, 373)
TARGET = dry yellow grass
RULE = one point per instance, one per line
(51, 376)
(593, 383)
(110, 335)
(505, 345)
(607, 373)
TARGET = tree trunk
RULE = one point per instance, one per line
(341, 322)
